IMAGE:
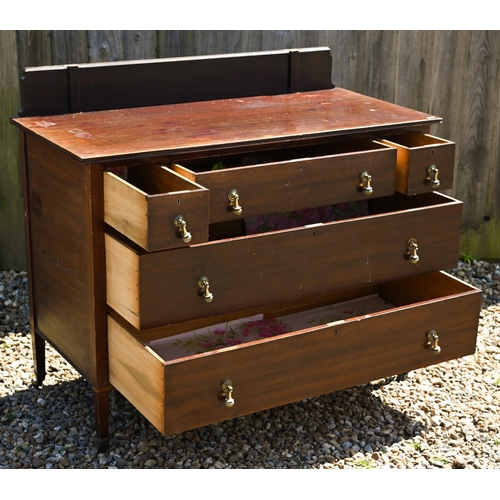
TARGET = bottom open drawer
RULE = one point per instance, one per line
(370, 333)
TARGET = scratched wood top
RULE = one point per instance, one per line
(199, 126)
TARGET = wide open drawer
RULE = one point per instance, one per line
(402, 237)
(156, 208)
(425, 163)
(293, 178)
(425, 319)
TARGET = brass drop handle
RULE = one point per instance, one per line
(205, 289)
(366, 183)
(227, 393)
(412, 254)
(234, 202)
(432, 342)
(432, 179)
(183, 233)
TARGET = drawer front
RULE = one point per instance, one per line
(186, 393)
(424, 163)
(295, 184)
(156, 208)
(247, 272)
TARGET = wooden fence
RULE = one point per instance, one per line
(452, 74)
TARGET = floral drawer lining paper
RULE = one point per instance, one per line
(297, 218)
(256, 328)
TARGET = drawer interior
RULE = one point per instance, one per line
(414, 140)
(263, 157)
(321, 215)
(151, 179)
(424, 162)
(142, 203)
(215, 333)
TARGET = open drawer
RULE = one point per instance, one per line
(424, 162)
(293, 178)
(425, 319)
(155, 207)
(402, 236)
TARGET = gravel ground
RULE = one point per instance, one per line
(445, 416)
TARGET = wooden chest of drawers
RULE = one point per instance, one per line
(215, 250)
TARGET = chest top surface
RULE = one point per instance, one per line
(199, 126)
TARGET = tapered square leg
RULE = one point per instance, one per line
(38, 346)
(101, 410)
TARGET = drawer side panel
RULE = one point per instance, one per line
(122, 279)
(136, 373)
(126, 209)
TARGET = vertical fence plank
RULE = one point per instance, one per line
(365, 62)
(346, 51)
(244, 41)
(12, 249)
(210, 42)
(381, 51)
(140, 44)
(489, 244)
(447, 85)
(277, 40)
(105, 46)
(415, 69)
(69, 47)
(33, 48)
(478, 149)
(176, 43)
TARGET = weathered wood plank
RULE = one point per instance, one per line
(12, 246)
(176, 43)
(365, 61)
(140, 44)
(244, 41)
(415, 69)
(105, 45)
(279, 39)
(33, 48)
(478, 149)
(447, 82)
(69, 47)
(210, 42)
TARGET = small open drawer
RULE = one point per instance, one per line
(293, 178)
(402, 236)
(156, 208)
(421, 321)
(425, 163)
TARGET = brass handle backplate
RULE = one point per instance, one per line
(227, 393)
(204, 290)
(366, 183)
(412, 253)
(183, 233)
(432, 342)
(234, 202)
(432, 176)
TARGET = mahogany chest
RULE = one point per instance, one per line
(219, 235)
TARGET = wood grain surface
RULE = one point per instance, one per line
(177, 128)
(12, 238)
